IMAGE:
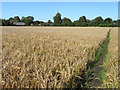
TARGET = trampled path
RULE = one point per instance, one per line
(91, 76)
(95, 81)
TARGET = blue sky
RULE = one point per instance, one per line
(46, 10)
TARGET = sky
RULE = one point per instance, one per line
(43, 11)
(60, 0)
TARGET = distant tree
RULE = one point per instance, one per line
(49, 23)
(114, 23)
(92, 23)
(57, 19)
(76, 23)
(41, 22)
(82, 21)
(28, 20)
(35, 23)
(108, 21)
(88, 22)
(66, 22)
(16, 19)
(0, 22)
(118, 22)
(98, 20)
(3, 22)
(31, 18)
(23, 19)
(11, 20)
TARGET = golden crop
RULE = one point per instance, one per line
(46, 56)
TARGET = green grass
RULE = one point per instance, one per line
(104, 69)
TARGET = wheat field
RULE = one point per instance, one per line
(47, 57)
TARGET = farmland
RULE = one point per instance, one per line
(48, 57)
(111, 75)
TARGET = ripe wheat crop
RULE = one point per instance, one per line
(46, 57)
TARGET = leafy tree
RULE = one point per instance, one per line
(3, 22)
(81, 22)
(23, 19)
(76, 23)
(35, 23)
(66, 22)
(28, 20)
(6, 22)
(16, 19)
(11, 20)
(108, 21)
(114, 23)
(118, 22)
(41, 22)
(92, 23)
(49, 23)
(82, 19)
(88, 22)
(0, 22)
(98, 20)
(57, 19)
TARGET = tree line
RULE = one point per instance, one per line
(58, 21)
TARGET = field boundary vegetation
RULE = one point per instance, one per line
(58, 21)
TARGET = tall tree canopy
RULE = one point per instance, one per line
(108, 20)
(49, 22)
(28, 20)
(82, 19)
(81, 22)
(16, 19)
(66, 22)
(57, 19)
(11, 20)
(98, 20)
(76, 23)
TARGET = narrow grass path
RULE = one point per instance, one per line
(92, 76)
